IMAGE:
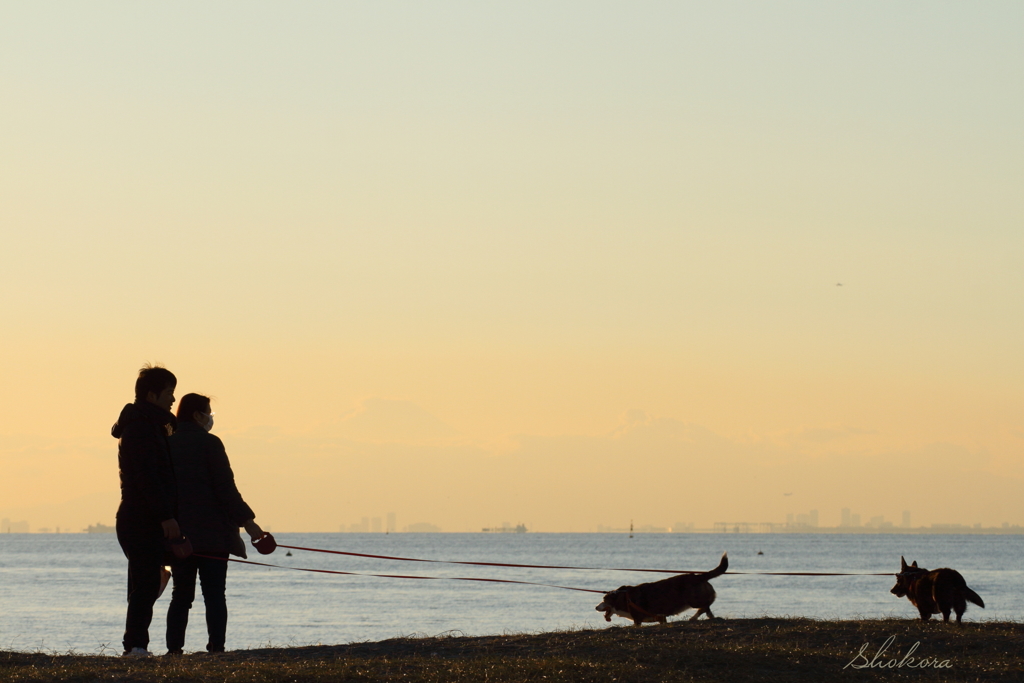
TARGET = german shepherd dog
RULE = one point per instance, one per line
(659, 600)
(940, 590)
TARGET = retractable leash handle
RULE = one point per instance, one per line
(181, 547)
(265, 544)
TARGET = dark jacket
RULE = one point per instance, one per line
(210, 508)
(144, 460)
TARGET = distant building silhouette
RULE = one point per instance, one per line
(878, 522)
(505, 529)
(370, 525)
(360, 527)
(9, 527)
(808, 520)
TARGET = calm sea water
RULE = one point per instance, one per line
(67, 592)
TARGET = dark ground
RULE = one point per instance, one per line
(731, 651)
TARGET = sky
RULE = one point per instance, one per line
(568, 264)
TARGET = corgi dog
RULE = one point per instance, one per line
(659, 600)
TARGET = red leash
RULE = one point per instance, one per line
(481, 564)
(400, 576)
(266, 544)
(550, 566)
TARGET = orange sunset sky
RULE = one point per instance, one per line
(569, 264)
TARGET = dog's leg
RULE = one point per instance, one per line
(959, 606)
(707, 611)
(925, 613)
(697, 614)
(663, 621)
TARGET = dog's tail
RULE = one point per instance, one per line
(719, 570)
(973, 597)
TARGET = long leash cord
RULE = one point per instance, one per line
(501, 564)
(552, 566)
(402, 576)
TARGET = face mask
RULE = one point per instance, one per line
(209, 422)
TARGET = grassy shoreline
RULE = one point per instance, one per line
(733, 651)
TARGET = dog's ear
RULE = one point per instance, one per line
(903, 564)
(914, 565)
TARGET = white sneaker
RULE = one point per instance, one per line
(137, 652)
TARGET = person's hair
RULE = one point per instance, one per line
(153, 378)
(190, 404)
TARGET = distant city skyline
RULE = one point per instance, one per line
(794, 523)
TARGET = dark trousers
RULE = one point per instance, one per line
(213, 575)
(142, 543)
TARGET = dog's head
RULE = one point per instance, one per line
(908, 572)
(615, 602)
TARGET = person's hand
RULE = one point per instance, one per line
(253, 529)
(171, 529)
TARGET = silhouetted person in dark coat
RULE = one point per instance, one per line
(146, 516)
(210, 510)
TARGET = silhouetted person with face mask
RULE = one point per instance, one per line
(210, 511)
(147, 514)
